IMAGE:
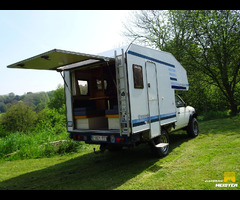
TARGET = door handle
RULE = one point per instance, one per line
(152, 99)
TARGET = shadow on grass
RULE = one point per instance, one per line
(91, 171)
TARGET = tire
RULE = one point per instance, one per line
(160, 151)
(192, 128)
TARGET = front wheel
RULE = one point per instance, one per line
(192, 128)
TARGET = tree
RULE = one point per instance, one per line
(206, 42)
(2, 107)
(58, 99)
(19, 117)
(37, 100)
(217, 34)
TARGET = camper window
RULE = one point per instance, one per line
(83, 86)
(99, 84)
(138, 76)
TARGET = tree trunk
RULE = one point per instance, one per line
(231, 99)
(233, 106)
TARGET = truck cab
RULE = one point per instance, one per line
(186, 117)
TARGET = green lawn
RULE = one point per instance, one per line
(190, 163)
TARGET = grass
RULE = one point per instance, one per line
(37, 144)
(190, 163)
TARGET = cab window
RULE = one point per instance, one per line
(179, 102)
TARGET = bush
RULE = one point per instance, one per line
(19, 118)
(51, 119)
(214, 115)
(46, 131)
(43, 143)
(3, 132)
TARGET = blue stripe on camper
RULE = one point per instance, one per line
(167, 116)
(171, 70)
(178, 87)
(150, 58)
(172, 74)
(173, 79)
(139, 122)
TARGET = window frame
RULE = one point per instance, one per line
(103, 82)
(138, 76)
(181, 102)
(80, 88)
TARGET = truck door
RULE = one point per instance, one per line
(183, 113)
(153, 103)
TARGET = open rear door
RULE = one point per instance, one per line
(61, 60)
(57, 59)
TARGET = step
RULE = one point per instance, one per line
(161, 145)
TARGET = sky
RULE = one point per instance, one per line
(26, 33)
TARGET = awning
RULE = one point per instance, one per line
(57, 59)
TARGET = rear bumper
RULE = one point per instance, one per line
(106, 137)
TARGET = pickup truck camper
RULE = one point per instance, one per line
(122, 97)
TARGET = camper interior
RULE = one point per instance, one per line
(94, 97)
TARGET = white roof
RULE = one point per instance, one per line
(57, 59)
(110, 53)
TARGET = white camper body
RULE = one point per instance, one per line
(120, 97)
(146, 106)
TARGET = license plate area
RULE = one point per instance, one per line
(99, 138)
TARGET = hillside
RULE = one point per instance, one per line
(38, 100)
(191, 164)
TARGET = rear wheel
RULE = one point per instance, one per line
(162, 140)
